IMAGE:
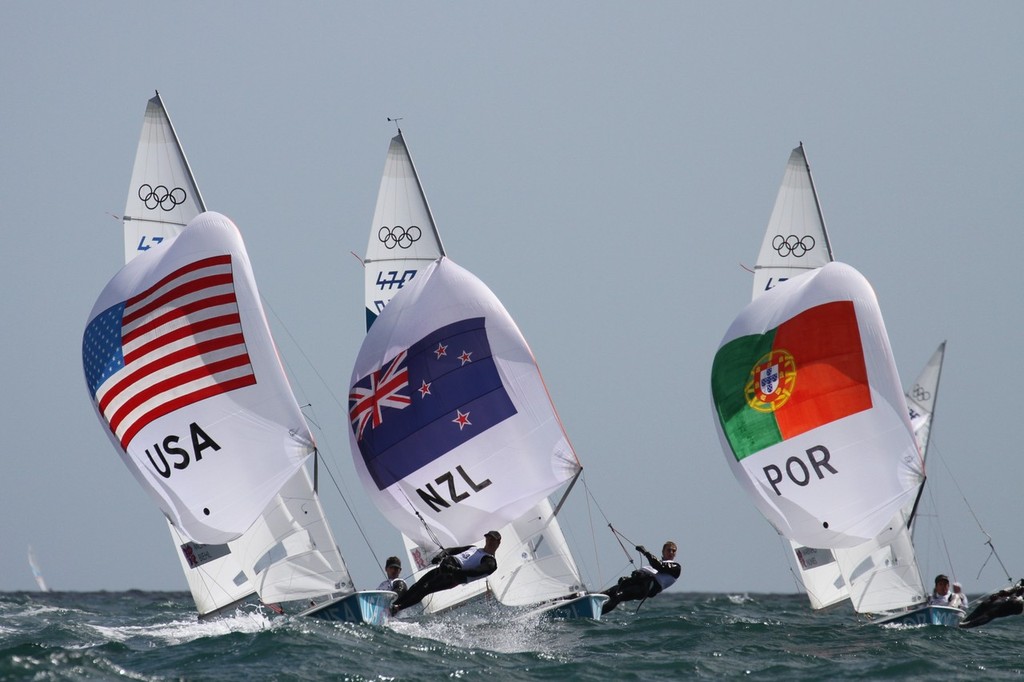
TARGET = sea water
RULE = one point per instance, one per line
(678, 635)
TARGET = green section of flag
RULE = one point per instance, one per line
(747, 430)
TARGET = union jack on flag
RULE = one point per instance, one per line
(445, 390)
(176, 343)
(383, 391)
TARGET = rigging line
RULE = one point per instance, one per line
(430, 531)
(615, 532)
(352, 514)
(988, 538)
(593, 530)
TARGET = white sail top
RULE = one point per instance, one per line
(921, 397)
(810, 412)
(183, 371)
(162, 197)
(796, 239)
(450, 416)
(403, 236)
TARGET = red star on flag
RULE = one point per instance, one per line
(424, 389)
(465, 357)
(441, 351)
(462, 419)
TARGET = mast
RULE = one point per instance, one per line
(814, 191)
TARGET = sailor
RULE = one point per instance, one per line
(958, 599)
(456, 566)
(648, 581)
(1009, 602)
(940, 593)
(394, 583)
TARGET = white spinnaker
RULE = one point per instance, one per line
(524, 457)
(403, 236)
(874, 448)
(251, 439)
(163, 196)
(796, 240)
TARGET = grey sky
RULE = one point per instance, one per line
(604, 167)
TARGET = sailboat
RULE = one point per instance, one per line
(536, 566)
(880, 575)
(163, 197)
(37, 573)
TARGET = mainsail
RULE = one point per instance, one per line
(796, 240)
(810, 413)
(37, 573)
(403, 238)
(163, 196)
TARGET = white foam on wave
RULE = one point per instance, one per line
(181, 631)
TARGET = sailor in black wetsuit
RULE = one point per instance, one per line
(648, 581)
(457, 566)
(1009, 602)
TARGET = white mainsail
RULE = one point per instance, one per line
(403, 238)
(921, 398)
(810, 412)
(534, 559)
(796, 240)
(163, 196)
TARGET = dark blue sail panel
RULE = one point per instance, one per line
(441, 392)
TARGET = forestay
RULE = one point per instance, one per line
(452, 427)
(404, 238)
(796, 240)
(163, 196)
(810, 412)
(182, 370)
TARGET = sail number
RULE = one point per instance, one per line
(798, 472)
(393, 281)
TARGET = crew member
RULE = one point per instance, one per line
(648, 581)
(456, 566)
(393, 582)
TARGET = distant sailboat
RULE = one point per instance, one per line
(36, 572)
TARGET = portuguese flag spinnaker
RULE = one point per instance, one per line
(805, 373)
(810, 412)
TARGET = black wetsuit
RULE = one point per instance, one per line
(1003, 603)
(450, 573)
(643, 583)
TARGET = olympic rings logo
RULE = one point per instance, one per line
(399, 236)
(162, 197)
(920, 394)
(792, 245)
